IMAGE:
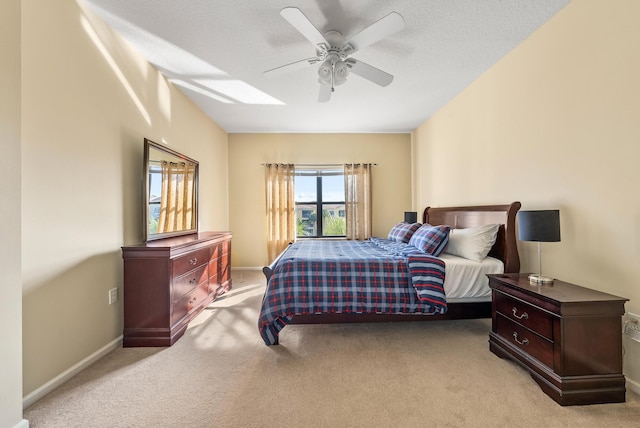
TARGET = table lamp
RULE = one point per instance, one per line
(539, 226)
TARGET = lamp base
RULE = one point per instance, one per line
(539, 279)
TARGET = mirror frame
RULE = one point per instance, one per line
(148, 147)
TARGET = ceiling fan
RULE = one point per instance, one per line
(333, 51)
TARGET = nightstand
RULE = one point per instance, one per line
(568, 337)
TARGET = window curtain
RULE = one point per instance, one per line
(176, 201)
(357, 189)
(281, 212)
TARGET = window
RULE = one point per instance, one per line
(320, 191)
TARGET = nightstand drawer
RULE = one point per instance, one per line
(525, 314)
(529, 342)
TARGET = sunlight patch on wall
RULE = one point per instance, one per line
(131, 53)
(183, 67)
(164, 97)
(200, 90)
(114, 66)
(166, 56)
(239, 90)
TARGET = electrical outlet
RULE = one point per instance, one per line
(113, 296)
(632, 326)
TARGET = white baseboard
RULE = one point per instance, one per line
(68, 374)
(633, 386)
(22, 424)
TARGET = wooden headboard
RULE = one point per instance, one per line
(505, 247)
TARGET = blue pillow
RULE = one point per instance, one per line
(431, 239)
(402, 232)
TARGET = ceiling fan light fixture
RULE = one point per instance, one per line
(340, 72)
(324, 72)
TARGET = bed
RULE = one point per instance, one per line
(393, 278)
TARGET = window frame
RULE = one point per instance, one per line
(319, 173)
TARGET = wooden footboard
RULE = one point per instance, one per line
(268, 270)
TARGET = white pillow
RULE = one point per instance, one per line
(473, 243)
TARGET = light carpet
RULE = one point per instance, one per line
(220, 374)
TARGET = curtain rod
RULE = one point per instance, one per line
(316, 165)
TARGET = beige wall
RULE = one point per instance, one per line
(88, 100)
(10, 288)
(391, 179)
(555, 124)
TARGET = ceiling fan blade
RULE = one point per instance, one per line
(301, 23)
(380, 29)
(287, 68)
(369, 72)
(325, 93)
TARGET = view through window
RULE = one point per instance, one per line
(319, 197)
(155, 192)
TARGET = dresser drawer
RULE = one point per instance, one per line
(225, 275)
(187, 282)
(214, 266)
(224, 260)
(216, 250)
(214, 281)
(529, 342)
(525, 314)
(190, 261)
(189, 302)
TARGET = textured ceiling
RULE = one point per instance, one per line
(217, 50)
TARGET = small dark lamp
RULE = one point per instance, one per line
(539, 226)
(410, 217)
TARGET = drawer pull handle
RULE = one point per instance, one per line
(193, 261)
(524, 341)
(524, 315)
(193, 281)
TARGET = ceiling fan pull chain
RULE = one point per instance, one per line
(333, 72)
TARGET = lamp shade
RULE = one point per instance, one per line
(324, 72)
(340, 72)
(410, 217)
(539, 226)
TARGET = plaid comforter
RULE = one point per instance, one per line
(374, 276)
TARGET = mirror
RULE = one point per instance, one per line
(171, 193)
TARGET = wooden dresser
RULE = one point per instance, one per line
(568, 337)
(169, 281)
